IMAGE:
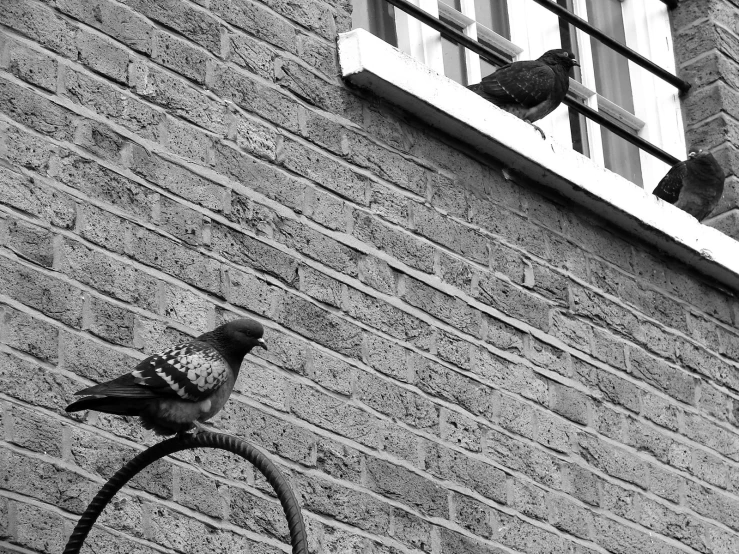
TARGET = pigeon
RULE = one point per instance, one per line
(695, 185)
(173, 391)
(529, 89)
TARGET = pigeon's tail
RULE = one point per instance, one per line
(475, 88)
(109, 405)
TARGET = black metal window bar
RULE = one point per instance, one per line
(453, 35)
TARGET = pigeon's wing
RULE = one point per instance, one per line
(669, 187)
(190, 371)
(527, 83)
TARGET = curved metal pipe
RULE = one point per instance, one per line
(205, 439)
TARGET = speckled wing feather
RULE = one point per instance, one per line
(527, 83)
(669, 187)
(189, 371)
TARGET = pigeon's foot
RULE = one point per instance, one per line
(537, 128)
(192, 431)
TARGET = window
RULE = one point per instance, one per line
(522, 29)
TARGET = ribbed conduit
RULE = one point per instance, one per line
(204, 439)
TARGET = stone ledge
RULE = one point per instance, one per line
(370, 63)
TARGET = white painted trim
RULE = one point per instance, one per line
(368, 62)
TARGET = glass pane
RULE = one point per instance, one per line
(454, 63)
(613, 81)
(377, 16)
(456, 4)
(494, 15)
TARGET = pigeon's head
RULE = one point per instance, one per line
(560, 57)
(240, 335)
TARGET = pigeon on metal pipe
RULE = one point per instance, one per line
(178, 388)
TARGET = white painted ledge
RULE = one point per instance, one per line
(369, 62)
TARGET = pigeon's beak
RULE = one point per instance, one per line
(262, 344)
(575, 62)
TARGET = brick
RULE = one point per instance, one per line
(569, 402)
(453, 349)
(608, 422)
(31, 335)
(38, 529)
(516, 378)
(456, 237)
(346, 505)
(263, 385)
(569, 516)
(328, 210)
(110, 321)
(314, 244)
(102, 55)
(514, 302)
(452, 541)
(660, 411)
(257, 21)
(607, 348)
(257, 514)
(253, 55)
(176, 259)
(178, 97)
(92, 359)
(407, 487)
(283, 438)
(707, 364)
(665, 377)
(338, 460)
(646, 439)
(254, 97)
(442, 382)
(32, 66)
(461, 430)
(103, 184)
(397, 402)
(624, 540)
(189, 142)
(410, 530)
(712, 504)
(103, 457)
(34, 431)
(336, 415)
(554, 433)
(318, 54)
(252, 136)
(523, 536)
(613, 461)
(187, 307)
(449, 309)
(583, 484)
(248, 291)
(30, 242)
(389, 319)
(528, 499)
(614, 388)
(41, 24)
(395, 242)
(180, 56)
(23, 149)
(387, 357)
(101, 140)
(261, 177)
(323, 170)
(548, 356)
(712, 435)
(45, 481)
(517, 417)
(603, 311)
(534, 462)
(49, 295)
(710, 468)
(35, 111)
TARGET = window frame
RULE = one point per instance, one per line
(657, 114)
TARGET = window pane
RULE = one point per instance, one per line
(613, 81)
(454, 63)
(494, 15)
(376, 16)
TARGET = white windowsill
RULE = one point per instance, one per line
(369, 62)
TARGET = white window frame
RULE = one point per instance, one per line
(534, 29)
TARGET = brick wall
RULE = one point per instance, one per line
(458, 363)
(706, 39)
